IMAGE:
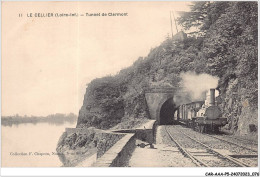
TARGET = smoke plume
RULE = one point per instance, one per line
(194, 87)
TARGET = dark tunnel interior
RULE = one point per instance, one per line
(167, 112)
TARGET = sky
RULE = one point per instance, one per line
(47, 62)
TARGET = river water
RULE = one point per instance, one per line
(31, 145)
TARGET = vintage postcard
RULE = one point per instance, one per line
(130, 84)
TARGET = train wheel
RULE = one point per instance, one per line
(194, 126)
(202, 127)
(208, 129)
(205, 129)
(216, 129)
(197, 127)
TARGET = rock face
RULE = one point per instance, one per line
(74, 147)
(240, 111)
(109, 100)
(180, 36)
(227, 49)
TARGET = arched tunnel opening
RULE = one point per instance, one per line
(167, 112)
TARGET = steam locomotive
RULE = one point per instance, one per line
(202, 116)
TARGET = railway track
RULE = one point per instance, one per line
(203, 156)
(246, 141)
(230, 142)
(185, 152)
(241, 146)
(246, 153)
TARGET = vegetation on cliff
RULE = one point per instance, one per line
(223, 43)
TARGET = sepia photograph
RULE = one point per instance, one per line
(130, 84)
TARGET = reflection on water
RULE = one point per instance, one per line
(31, 145)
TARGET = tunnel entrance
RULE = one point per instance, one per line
(167, 112)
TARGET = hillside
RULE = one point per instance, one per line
(225, 46)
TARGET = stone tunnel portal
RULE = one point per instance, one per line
(167, 112)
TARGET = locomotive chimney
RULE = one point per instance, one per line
(212, 97)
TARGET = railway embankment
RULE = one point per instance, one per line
(77, 146)
(120, 153)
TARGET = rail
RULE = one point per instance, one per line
(248, 141)
(232, 143)
(235, 161)
(185, 152)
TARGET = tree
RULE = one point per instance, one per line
(201, 16)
